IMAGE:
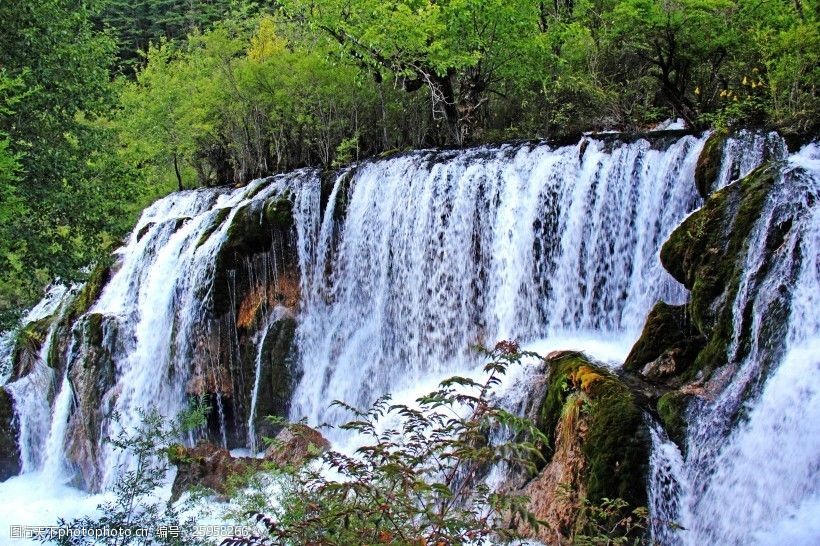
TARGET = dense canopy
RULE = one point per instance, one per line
(106, 104)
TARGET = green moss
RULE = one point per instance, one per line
(217, 221)
(89, 293)
(178, 454)
(277, 379)
(706, 254)
(672, 411)
(667, 328)
(253, 230)
(251, 227)
(31, 336)
(94, 330)
(708, 166)
(279, 211)
(614, 446)
(54, 350)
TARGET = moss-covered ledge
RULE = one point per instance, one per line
(681, 346)
(706, 253)
(707, 169)
(598, 445)
(668, 345)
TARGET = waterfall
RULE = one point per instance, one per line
(391, 269)
(32, 392)
(441, 250)
(744, 151)
(750, 474)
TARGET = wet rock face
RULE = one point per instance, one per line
(668, 344)
(224, 372)
(706, 254)
(709, 162)
(9, 452)
(681, 346)
(685, 351)
(92, 374)
(250, 325)
(208, 466)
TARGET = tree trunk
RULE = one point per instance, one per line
(176, 171)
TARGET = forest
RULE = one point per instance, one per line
(106, 105)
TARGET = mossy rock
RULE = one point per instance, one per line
(89, 292)
(709, 162)
(668, 331)
(329, 180)
(277, 381)
(672, 411)
(615, 445)
(92, 373)
(9, 452)
(144, 230)
(177, 454)
(216, 222)
(279, 212)
(251, 226)
(27, 344)
(706, 253)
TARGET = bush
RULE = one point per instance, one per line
(420, 476)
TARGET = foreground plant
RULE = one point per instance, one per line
(419, 477)
(136, 515)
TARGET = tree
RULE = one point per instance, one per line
(65, 201)
(458, 49)
(136, 24)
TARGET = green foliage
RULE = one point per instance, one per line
(210, 92)
(135, 506)
(237, 102)
(418, 478)
(138, 23)
(66, 200)
(612, 522)
(195, 415)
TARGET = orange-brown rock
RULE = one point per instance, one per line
(296, 444)
(210, 466)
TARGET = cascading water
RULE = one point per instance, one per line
(401, 264)
(750, 474)
(744, 151)
(441, 250)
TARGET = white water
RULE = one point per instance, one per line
(744, 151)
(32, 392)
(758, 481)
(437, 251)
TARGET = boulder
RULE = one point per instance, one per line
(668, 344)
(598, 445)
(706, 253)
(213, 467)
(684, 351)
(209, 466)
(296, 444)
